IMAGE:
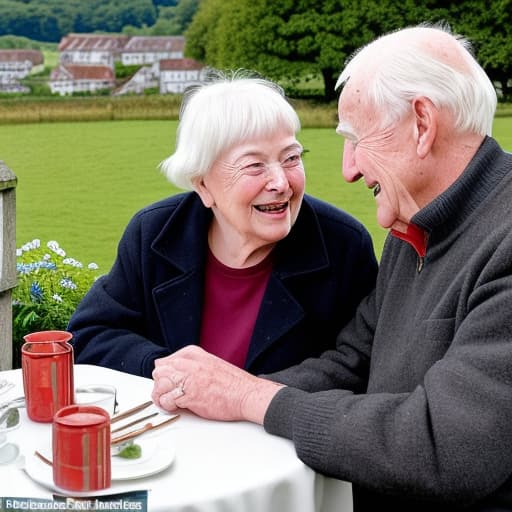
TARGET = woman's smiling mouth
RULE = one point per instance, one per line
(272, 208)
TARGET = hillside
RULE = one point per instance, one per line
(50, 20)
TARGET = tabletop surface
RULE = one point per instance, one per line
(216, 466)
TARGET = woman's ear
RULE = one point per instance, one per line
(202, 191)
(426, 118)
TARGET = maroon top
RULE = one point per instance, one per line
(232, 300)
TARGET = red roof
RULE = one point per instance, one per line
(78, 72)
(155, 44)
(34, 56)
(180, 65)
(92, 42)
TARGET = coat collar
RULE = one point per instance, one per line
(183, 240)
(182, 243)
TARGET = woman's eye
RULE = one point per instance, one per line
(292, 160)
(254, 167)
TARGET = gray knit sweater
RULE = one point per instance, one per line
(415, 405)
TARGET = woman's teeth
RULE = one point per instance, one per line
(271, 207)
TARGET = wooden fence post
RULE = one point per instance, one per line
(8, 183)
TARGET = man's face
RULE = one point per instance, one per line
(384, 156)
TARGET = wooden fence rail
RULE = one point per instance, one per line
(8, 183)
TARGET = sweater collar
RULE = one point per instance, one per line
(487, 168)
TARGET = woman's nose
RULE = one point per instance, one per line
(349, 169)
(277, 178)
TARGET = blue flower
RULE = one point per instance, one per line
(36, 292)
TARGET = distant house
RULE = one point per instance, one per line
(68, 79)
(147, 50)
(178, 74)
(92, 49)
(145, 78)
(17, 64)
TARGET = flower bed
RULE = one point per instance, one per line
(50, 286)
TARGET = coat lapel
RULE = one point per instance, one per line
(183, 244)
(300, 254)
(179, 299)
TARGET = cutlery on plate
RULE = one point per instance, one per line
(123, 440)
(146, 428)
(15, 402)
(5, 385)
(129, 412)
(134, 422)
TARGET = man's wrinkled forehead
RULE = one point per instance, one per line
(351, 104)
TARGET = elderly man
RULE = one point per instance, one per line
(414, 407)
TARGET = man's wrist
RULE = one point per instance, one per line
(257, 399)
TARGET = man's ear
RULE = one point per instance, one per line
(426, 117)
(202, 191)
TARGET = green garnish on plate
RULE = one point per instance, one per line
(132, 451)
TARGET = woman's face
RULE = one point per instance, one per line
(255, 190)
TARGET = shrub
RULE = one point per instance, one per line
(50, 286)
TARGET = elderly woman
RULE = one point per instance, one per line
(244, 265)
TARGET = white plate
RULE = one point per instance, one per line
(157, 455)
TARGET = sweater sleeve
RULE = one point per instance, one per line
(445, 440)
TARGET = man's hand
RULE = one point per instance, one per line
(210, 387)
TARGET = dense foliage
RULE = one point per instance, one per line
(50, 286)
(50, 20)
(291, 39)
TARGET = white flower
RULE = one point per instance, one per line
(66, 282)
(56, 297)
(53, 245)
(72, 262)
(92, 266)
(19, 252)
(36, 243)
(47, 257)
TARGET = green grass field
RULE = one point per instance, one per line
(79, 183)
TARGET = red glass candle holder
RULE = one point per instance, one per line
(47, 367)
(81, 448)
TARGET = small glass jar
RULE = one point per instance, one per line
(81, 448)
(47, 368)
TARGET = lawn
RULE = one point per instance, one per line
(79, 183)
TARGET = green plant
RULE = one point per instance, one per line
(50, 286)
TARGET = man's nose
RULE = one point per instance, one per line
(349, 169)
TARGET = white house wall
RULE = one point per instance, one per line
(177, 81)
(139, 58)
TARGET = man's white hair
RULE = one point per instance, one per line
(408, 63)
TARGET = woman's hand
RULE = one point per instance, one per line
(210, 387)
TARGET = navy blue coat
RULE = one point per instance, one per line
(150, 303)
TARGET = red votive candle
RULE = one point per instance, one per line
(81, 448)
(47, 368)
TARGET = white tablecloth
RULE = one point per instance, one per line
(218, 467)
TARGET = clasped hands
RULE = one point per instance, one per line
(210, 387)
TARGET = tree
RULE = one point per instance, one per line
(290, 39)
(293, 39)
(488, 25)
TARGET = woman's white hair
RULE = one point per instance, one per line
(398, 69)
(228, 108)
